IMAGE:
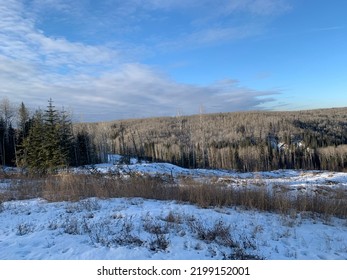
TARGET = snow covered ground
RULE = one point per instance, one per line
(294, 181)
(137, 228)
(147, 229)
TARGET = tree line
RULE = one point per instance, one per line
(43, 141)
(244, 141)
(47, 140)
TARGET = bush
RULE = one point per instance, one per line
(219, 233)
(24, 229)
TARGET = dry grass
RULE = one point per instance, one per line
(74, 187)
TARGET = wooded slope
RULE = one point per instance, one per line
(246, 141)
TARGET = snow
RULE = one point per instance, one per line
(295, 181)
(141, 229)
(125, 229)
(4, 184)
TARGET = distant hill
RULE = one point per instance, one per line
(245, 141)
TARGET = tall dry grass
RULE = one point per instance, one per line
(74, 187)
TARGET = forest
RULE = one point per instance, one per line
(46, 140)
(41, 142)
(243, 141)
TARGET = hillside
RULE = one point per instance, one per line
(244, 141)
(116, 211)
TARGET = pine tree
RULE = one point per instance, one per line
(49, 143)
(7, 144)
(23, 121)
(54, 155)
(11, 146)
(33, 155)
(85, 150)
(66, 138)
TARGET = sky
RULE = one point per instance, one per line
(104, 60)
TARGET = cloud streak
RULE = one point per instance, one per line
(96, 81)
(134, 91)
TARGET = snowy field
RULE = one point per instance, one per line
(147, 229)
(293, 181)
(136, 228)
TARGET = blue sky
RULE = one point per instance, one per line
(113, 59)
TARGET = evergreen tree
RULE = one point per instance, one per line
(55, 155)
(22, 122)
(7, 143)
(11, 147)
(85, 150)
(7, 138)
(33, 155)
(48, 145)
(66, 138)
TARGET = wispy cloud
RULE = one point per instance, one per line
(218, 22)
(96, 81)
(328, 28)
(265, 7)
(22, 41)
(139, 91)
(209, 36)
(134, 90)
(261, 7)
(206, 18)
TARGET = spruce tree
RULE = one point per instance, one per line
(33, 155)
(48, 144)
(55, 156)
(66, 138)
(85, 150)
(23, 122)
(7, 114)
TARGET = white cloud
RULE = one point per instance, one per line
(20, 40)
(259, 7)
(141, 92)
(59, 51)
(95, 82)
(216, 22)
(133, 91)
(270, 7)
(195, 16)
(210, 36)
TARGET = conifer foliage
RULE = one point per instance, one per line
(7, 132)
(49, 143)
(42, 142)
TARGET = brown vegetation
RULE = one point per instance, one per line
(74, 187)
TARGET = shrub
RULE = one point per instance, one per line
(160, 242)
(24, 229)
(71, 226)
(219, 233)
